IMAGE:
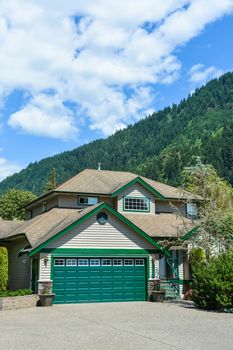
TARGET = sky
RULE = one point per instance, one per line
(74, 71)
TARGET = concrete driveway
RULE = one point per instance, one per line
(115, 326)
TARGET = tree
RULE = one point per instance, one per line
(215, 198)
(52, 182)
(12, 203)
(3, 268)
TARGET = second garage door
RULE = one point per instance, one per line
(81, 280)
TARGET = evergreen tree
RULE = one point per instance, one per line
(52, 182)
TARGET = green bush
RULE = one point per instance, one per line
(213, 283)
(196, 257)
(3, 268)
(15, 293)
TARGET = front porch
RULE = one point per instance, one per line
(173, 273)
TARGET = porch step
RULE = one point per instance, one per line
(171, 292)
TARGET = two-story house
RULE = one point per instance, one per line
(98, 237)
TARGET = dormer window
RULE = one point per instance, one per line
(137, 204)
(88, 200)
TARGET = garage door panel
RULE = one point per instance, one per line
(104, 283)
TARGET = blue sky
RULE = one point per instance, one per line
(71, 74)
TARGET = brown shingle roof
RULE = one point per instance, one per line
(7, 226)
(46, 225)
(106, 182)
(161, 225)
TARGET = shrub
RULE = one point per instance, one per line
(196, 257)
(213, 283)
(15, 293)
(3, 268)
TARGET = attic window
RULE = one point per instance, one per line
(136, 204)
(88, 200)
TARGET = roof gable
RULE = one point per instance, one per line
(88, 215)
(138, 180)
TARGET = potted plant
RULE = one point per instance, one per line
(158, 294)
(46, 295)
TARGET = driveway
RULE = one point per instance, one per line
(118, 326)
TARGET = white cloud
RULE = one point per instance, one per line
(199, 74)
(92, 61)
(45, 115)
(7, 168)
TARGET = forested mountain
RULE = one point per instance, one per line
(158, 146)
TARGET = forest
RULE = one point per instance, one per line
(158, 147)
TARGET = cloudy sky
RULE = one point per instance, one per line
(73, 71)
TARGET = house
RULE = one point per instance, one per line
(98, 237)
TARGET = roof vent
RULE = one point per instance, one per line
(99, 166)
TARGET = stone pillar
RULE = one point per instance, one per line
(45, 286)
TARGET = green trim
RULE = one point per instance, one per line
(179, 281)
(96, 252)
(132, 210)
(91, 213)
(190, 233)
(143, 183)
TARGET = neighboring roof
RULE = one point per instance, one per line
(107, 182)
(7, 226)
(162, 225)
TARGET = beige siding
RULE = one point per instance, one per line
(18, 267)
(90, 234)
(136, 190)
(68, 201)
(170, 207)
(45, 267)
(38, 209)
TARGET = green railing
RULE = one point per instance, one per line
(173, 263)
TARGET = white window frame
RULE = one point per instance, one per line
(191, 210)
(103, 262)
(128, 260)
(71, 262)
(61, 262)
(89, 200)
(139, 262)
(94, 262)
(136, 201)
(83, 262)
(118, 264)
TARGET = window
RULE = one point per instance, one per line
(117, 262)
(59, 262)
(71, 262)
(88, 200)
(95, 262)
(128, 262)
(82, 262)
(106, 262)
(139, 262)
(191, 209)
(136, 204)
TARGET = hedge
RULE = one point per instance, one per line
(15, 293)
(213, 283)
(3, 268)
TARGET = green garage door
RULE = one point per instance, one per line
(81, 280)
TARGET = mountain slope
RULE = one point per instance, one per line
(158, 146)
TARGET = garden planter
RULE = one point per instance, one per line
(46, 299)
(158, 295)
